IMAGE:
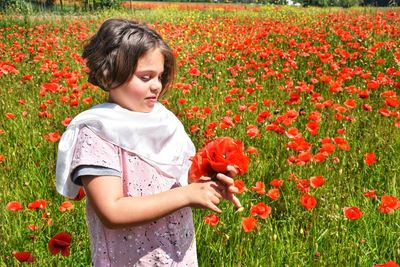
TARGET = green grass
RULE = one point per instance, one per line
(291, 236)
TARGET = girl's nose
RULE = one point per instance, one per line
(156, 86)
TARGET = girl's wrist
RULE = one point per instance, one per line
(184, 195)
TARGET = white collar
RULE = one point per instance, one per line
(157, 137)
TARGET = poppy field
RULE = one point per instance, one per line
(311, 98)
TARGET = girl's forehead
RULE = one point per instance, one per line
(152, 60)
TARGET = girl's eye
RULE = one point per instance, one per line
(145, 78)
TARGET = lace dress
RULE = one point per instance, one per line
(169, 241)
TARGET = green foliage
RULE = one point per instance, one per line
(291, 236)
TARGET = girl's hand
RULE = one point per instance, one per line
(227, 188)
(204, 194)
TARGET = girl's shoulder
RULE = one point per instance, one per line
(91, 149)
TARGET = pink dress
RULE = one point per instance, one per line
(169, 241)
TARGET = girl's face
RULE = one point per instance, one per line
(141, 92)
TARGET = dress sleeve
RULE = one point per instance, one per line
(94, 156)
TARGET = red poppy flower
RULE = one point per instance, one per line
(389, 204)
(23, 256)
(52, 137)
(14, 206)
(216, 156)
(308, 201)
(387, 264)
(65, 206)
(88, 100)
(276, 182)
(200, 166)
(37, 204)
(303, 185)
(261, 209)
(239, 184)
(249, 223)
(33, 227)
(259, 188)
(370, 193)
(293, 133)
(10, 115)
(211, 219)
(251, 150)
(312, 127)
(317, 181)
(81, 194)
(370, 158)
(352, 213)
(253, 131)
(60, 243)
(66, 121)
(273, 193)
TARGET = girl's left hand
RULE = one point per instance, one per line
(227, 188)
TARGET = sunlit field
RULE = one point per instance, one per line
(312, 94)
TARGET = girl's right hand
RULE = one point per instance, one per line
(204, 194)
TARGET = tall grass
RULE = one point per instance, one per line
(291, 236)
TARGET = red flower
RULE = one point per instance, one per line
(249, 223)
(37, 204)
(259, 188)
(65, 206)
(23, 256)
(387, 264)
(308, 201)
(33, 227)
(10, 115)
(317, 181)
(276, 182)
(273, 193)
(66, 121)
(14, 206)
(81, 194)
(87, 100)
(369, 158)
(52, 137)
(251, 150)
(200, 166)
(352, 213)
(211, 219)
(312, 127)
(261, 209)
(194, 71)
(60, 243)
(389, 204)
(370, 193)
(216, 156)
(239, 184)
(303, 185)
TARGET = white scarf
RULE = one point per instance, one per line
(157, 137)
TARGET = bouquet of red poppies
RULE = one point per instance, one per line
(216, 156)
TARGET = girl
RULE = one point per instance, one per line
(132, 156)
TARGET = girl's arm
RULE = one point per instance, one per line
(115, 210)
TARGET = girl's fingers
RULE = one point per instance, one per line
(233, 189)
(236, 202)
(213, 207)
(205, 178)
(232, 171)
(225, 179)
(218, 194)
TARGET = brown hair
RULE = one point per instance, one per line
(113, 52)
